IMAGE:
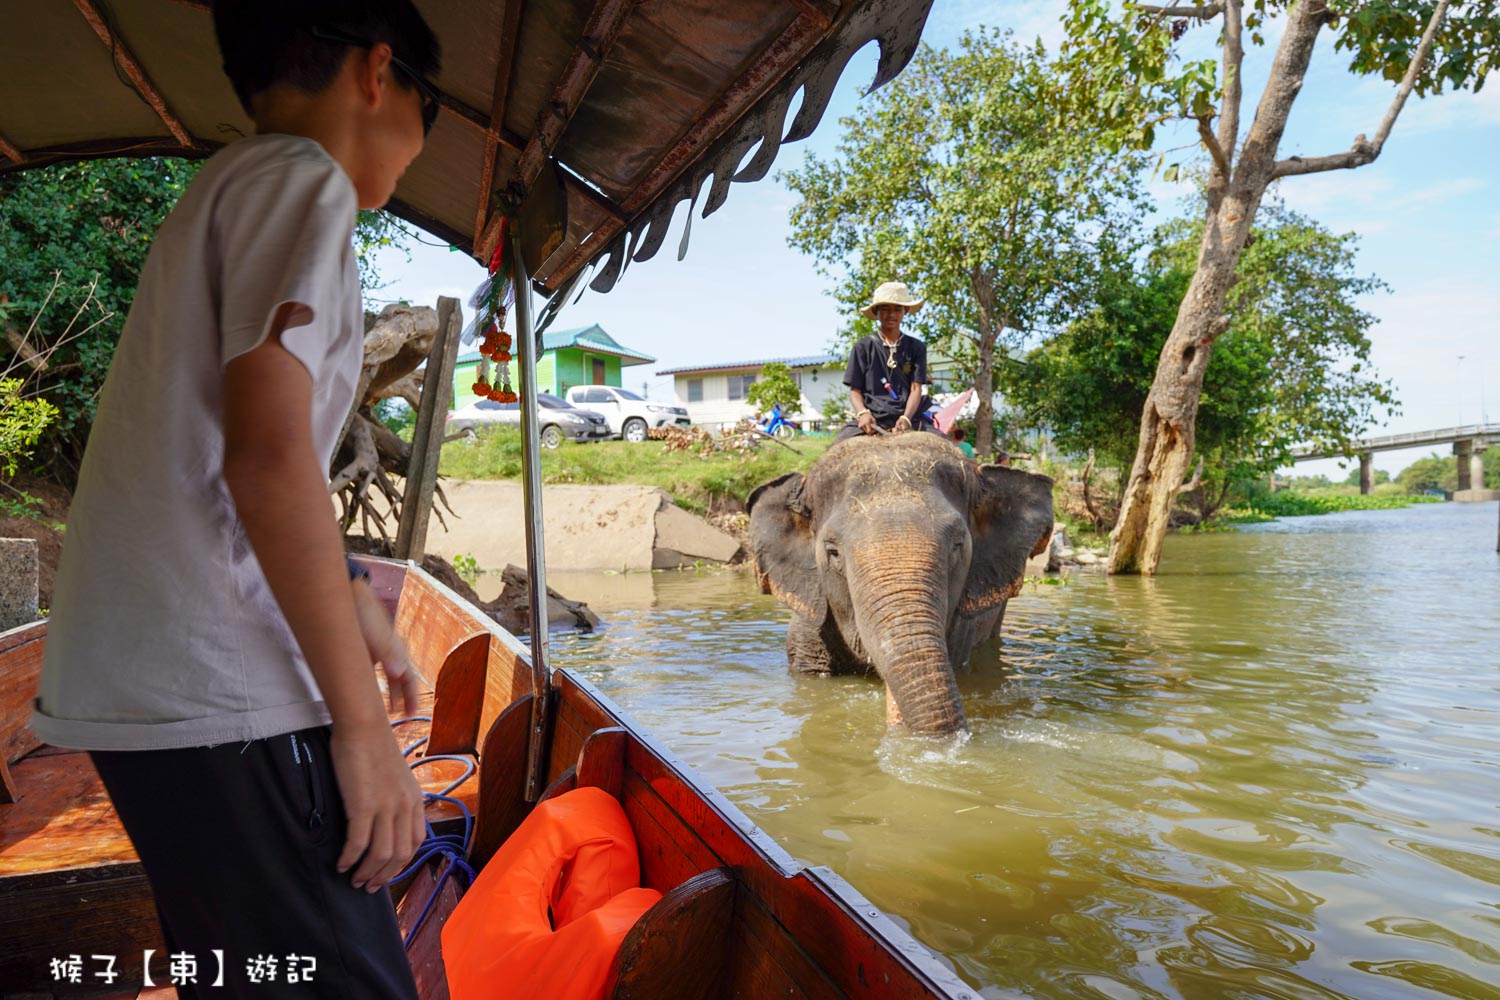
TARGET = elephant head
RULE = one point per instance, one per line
(896, 555)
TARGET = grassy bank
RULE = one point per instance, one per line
(695, 482)
(1297, 503)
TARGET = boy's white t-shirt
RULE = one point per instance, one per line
(164, 632)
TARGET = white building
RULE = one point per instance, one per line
(715, 394)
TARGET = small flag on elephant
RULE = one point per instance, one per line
(946, 417)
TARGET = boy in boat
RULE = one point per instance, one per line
(209, 645)
(887, 370)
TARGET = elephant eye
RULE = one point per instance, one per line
(831, 552)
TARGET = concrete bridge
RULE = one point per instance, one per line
(1469, 442)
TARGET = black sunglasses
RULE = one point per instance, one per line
(429, 93)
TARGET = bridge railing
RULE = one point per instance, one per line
(1392, 441)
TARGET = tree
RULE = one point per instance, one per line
(86, 228)
(773, 387)
(1379, 476)
(1293, 365)
(953, 179)
(1123, 73)
(1435, 472)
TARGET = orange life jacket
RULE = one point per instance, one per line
(575, 855)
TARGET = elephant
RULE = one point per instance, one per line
(896, 556)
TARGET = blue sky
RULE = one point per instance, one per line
(1427, 214)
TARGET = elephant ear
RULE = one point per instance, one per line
(1012, 520)
(781, 542)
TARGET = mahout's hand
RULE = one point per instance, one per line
(867, 422)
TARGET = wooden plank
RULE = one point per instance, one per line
(502, 781)
(670, 854)
(10, 152)
(680, 947)
(768, 961)
(125, 60)
(600, 32)
(601, 762)
(427, 436)
(425, 952)
(64, 820)
(386, 579)
(565, 783)
(101, 912)
(459, 698)
(21, 652)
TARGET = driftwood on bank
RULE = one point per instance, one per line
(370, 458)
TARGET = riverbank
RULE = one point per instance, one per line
(713, 484)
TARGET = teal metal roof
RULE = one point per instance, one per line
(589, 338)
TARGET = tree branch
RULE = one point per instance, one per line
(1362, 150)
(1202, 12)
(1214, 149)
(1234, 60)
(1196, 481)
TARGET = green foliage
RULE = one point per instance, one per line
(1126, 73)
(22, 421)
(1293, 503)
(695, 482)
(953, 179)
(1293, 367)
(836, 411)
(73, 223)
(1379, 476)
(398, 417)
(1435, 472)
(467, 567)
(774, 386)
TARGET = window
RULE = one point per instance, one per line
(739, 385)
(597, 396)
(695, 390)
(797, 379)
(548, 401)
(627, 394)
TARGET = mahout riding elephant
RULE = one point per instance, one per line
(897, 555)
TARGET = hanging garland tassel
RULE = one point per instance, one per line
(493, 300)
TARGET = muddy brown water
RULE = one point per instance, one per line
(1273, 771)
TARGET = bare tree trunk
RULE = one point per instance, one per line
(984, 377)
(984, 388)
(1167, 421)
(1234, 192)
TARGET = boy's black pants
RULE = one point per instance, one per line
(239, 841)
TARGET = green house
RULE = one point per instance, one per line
(584, 356)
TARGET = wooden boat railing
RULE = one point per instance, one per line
(738, 917)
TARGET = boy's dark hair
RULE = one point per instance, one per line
(959, 433)
(270, 42)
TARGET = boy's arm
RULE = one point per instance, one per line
(281, 495)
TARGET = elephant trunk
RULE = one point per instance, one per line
(906, 637)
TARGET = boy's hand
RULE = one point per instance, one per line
(403, 681)
(383, 801)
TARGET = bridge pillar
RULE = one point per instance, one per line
(1471, 472)
(1465, 452)
(1367, 473)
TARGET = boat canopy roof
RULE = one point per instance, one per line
(610, 112)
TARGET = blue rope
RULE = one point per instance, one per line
(453, 849)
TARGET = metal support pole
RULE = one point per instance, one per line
(536, 556)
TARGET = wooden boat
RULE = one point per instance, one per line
(738, 917)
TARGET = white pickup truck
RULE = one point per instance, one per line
(629, 415)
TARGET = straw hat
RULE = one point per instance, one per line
(893, 293)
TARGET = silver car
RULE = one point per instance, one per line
(560, 420)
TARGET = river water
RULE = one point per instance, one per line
(1272, 771)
